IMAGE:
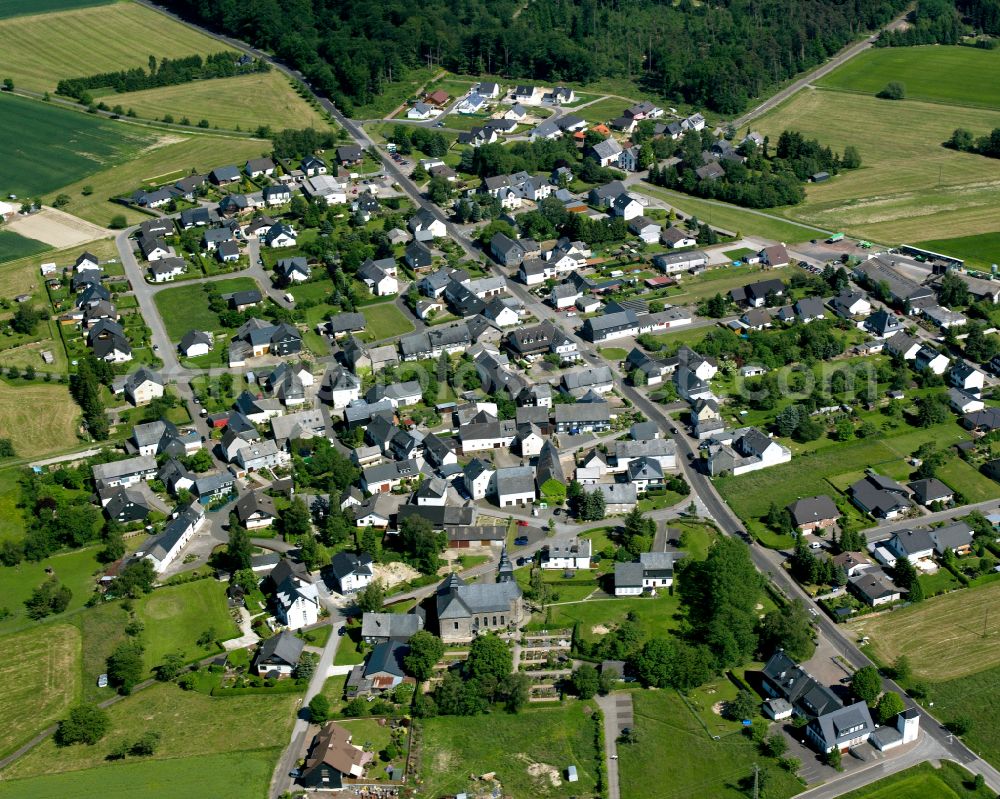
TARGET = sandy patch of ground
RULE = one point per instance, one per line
(545, 774)
(599, 629)
(56, 228)
(443, 760)
(717, 708)
(392, 573)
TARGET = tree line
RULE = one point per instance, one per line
(717, 56)
(167, 72)
(966, 142)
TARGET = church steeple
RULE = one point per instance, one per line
(505, 571)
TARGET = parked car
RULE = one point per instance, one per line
(522, 523)
(521, 541)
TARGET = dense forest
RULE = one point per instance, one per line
(716, 54)
(946, 22)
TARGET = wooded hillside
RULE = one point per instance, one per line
(716, 55)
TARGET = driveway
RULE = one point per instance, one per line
(617, 710)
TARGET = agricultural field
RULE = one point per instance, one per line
(232, 776)
(167, 158)
(242, 102)
(40, 681)
(909, 187)
(944, 638)
(733, 218)
(820, 470)
(33, 434)
(64, 146)
(948, 781)
(964, 76)
(528, 751)
(190, 723)
(177, 615)
(41, 50)
(18, 8)
(14, 246)
(74, 569)
(671, 740)
(385, 320)
(186, 308)
(982, 250)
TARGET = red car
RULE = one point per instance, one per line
(522, 524)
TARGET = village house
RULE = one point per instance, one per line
(571, 554)
(652, 571)
(814, 513)
(278, 655)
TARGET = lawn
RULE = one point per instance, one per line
(946, 637)
(974, 485)
(41, 50)
(543, 740)
(62, 145)
(982, 250)
(168, 158)
(739, 254)
(185, 308)
(671, 740)
(243, 102)
(40, 681)
(176, 616)
(74, 569)
(14, 246)
(721, 280)
(395, 94)
(731, 217)
(666, 499)
(603, 111)
(102, 628)
(16, 8)
(232, 776)
(909, 186)
(696, 538)
(575, 589)
(613, 353)
(385, 320)
(34, 434)
(656, 615)
(814, 472)
(351, 650)
(189, 722)
(11, 523)
(976, 698)
(962, 76)
(948, 781)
